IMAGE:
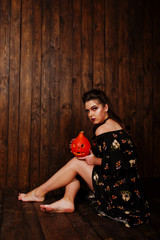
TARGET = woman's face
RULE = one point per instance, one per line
(97, 113)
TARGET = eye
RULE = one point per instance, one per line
(94, 108)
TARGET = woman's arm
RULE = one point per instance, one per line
(92, 159)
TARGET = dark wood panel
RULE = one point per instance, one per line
(25, 95)
(54, 224)
(140, 83)
(77, 106)
(87, 45)
(45, 90)
(132, 66)
(87, 55)
(52, 52)
(54, 87)
(148, 91)
(123, 52)
(98, 44)
(32, 227)
(36, 95)
(82, 226)
(12, 224)
(4, 84)
(13, 125)
(156, 88)
(22, 220)
(111, 52)
(1, 195)
(66, 80)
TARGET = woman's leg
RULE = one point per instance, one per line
(66, 204)
(60, 179)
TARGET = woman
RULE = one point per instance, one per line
(110, 170)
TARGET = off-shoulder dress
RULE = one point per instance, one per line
(117, 188)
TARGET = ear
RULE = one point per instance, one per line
(106, 107)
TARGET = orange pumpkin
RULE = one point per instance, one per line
(80, 146)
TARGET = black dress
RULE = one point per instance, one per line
(116, 184)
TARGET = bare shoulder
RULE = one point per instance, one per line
(109, 126)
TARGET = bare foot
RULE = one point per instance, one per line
(30, 197)
(61, 206)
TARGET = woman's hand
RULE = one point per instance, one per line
(91, 159)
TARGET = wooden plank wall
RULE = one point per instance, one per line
(51, 51)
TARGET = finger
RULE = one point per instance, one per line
(90, 151)
(81, 158)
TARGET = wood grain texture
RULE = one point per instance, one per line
(98, 44)
(111, 53)
(123, 71)
(132, 66)
(66, 79)
(156, 89)
(4, 85)
(13, 227)
(45, 90)
(140, 83)
(25, 95)
(60, 222)
(54, 87)
(36, 95)
(14, 84)
(77, 106)
(87, 55)
(51, 52)
(22, 220)
(148, 91)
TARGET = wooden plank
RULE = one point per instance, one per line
(140, 84)
(132, 23)
(12, 225)
(123, 74)
(13, 134)
(1, 200)
(98, 44)
(77, 105)
(4, 78)
(148, 90)
(32, 228)
(87, 56)
(25, 95)
(45, 91)
(36, 95)
(111, 50)
(56, 226)
(82, 226)
(66, 80)
(54, 87)
(156, 87)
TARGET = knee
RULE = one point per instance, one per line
(74, 162)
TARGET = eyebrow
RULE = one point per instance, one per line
(91, 107)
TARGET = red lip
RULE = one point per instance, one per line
(93, 119)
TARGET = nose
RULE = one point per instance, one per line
(90, 114)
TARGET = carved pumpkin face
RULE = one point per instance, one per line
(80, 146)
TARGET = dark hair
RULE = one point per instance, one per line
(99, 95)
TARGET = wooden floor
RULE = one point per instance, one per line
(20, 221)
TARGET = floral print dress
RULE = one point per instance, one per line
(116, 185)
